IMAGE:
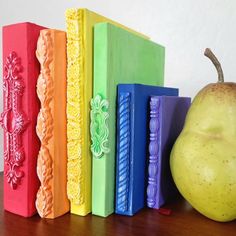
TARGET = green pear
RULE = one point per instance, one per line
(203, 158)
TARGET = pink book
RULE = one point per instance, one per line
(18, 119)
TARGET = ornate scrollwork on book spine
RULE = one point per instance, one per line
(154, 146)
(75, 71)
(99, 127)
(123, 160)
(13, 120)
(44, 129)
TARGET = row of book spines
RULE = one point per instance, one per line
(41, 58)
(166, 119)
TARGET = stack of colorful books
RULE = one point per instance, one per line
(88, 124)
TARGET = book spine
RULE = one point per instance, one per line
(44, 128)
(18, 119)
(51, 124)
(123, 153)
(79, 165)
(154, 146)
(103, 171)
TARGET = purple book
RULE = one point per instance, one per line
(167, 116)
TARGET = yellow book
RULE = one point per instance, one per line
(79, 23)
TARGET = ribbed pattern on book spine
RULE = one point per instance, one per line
(123, 160)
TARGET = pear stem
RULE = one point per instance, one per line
(208, 53)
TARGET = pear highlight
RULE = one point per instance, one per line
(203, 158)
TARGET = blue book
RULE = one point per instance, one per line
(132, 144)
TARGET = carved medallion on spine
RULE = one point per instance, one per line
(44, 202)
(13, 120)
(98, 128)
(18, 119)
(154, 146)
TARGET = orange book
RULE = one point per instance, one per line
(52, 199)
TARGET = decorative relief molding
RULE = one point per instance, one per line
(123, 161)
(99, 127)
(154, 147)
(44, 128)
(75, 105)
(13, 120)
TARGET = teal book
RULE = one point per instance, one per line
(119, 57)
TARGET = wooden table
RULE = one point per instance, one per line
(183, 221)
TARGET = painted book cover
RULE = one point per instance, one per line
(167, 116)
(19, 117)
(119, 57)
(132, 144)
(51, 200)
(79, 24)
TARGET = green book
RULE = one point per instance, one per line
(119, 57)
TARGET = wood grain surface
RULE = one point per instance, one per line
(183, 221)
